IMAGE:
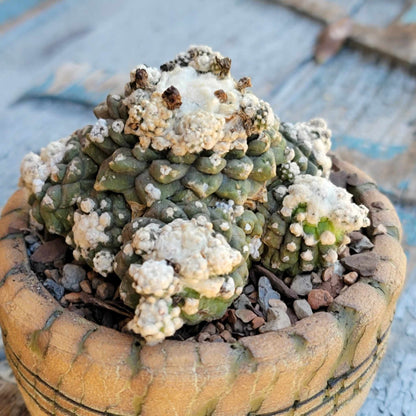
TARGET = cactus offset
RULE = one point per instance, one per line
(310, 226)
(184, 180)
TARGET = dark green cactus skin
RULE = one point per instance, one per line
(241, 177)
(277, 235)
(54, 206)
(119, 214)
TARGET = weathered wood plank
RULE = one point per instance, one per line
(370, 105)
(11, 401)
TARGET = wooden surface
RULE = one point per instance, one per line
(58, 58)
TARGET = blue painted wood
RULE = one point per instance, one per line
(87, 87)
(12, 9)
(410, 15)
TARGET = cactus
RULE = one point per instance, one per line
(311, 225)
(184, 180)
(57, 179)
(96, 233)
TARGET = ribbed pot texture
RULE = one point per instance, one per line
(322, 365)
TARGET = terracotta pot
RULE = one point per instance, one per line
(323, 365)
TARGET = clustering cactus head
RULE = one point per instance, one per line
(311, 226)
(182, 182)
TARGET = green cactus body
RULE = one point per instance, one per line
(235, 227)
(187, 150)
(311, 227)
(96, 233)
(71, 174)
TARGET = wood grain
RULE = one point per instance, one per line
(11, 401)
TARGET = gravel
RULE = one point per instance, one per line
(72, 276)
(266, 293)
(302, 308)
(302, 284)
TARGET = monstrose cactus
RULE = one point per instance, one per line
(182, 183)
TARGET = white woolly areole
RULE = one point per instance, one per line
(191, 306)
(155, 319)
(254, 247)
(87, 205)
(327, 238)
(89, 230)
(202, 121)
(99, 131)
(35, 169)
(154, 277)
(325, 200)
(103, 262)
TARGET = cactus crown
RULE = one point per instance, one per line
(182, 182)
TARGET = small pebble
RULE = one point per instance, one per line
(350, 278)
(302, 308)
(210, 329)
(52, 274)
(253, 296)
(334, 285)
(86, 286)
(50, 251)
(281, 320)
(242, 302)
(226, 336)
(266, 293)
(96, 282)
(220, 326)
(380, 229)
(359, 242)
(203, 336)
(105, 291)
(245, 315)
(239, 327)
(31, 239)
(248, 289)
(257, 322)
(216, 338)
(274, 313)
(54, 288)
(316, 279)
(91, 275)
(73, 297)
(344, 253)
(288, 280)
(363, 263)
(318, 298)
(72, 276)
(327, 274)
(231, 316)
(339, 268)
(277, 303)
(302, 284)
